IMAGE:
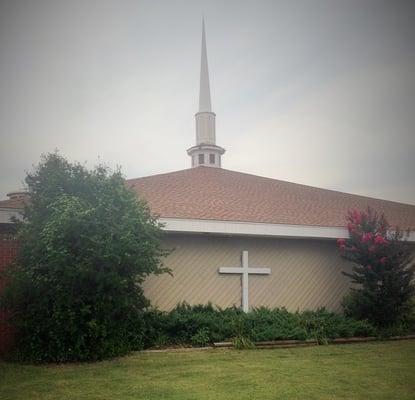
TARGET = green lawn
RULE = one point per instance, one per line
(359, 371)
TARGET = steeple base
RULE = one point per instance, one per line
(208, 155)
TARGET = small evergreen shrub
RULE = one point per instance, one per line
(323, 325)
(201, 338)
(275, 324)
(203, 325)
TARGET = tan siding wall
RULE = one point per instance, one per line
(305, 274)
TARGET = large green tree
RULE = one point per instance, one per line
(383, 270)
(87, 243)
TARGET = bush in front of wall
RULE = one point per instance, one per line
(203, 325)
(275, 324)
(242, 343)
(383, 270)
(201, 338)
(87, 244)
(322, 325)
(185, 321)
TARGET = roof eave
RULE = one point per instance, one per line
(217, 227)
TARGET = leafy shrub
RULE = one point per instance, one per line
(323, 325)
(183, 322)
(383, 269)
(87, 244)
(200, 338)
(276, 324)
(242, 343)
(409, 318)
(161, 341)
(204, 324)
(155, 329)
(404, 327)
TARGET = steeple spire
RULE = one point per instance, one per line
(205, 152)
(204, 95)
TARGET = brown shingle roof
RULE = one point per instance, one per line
(220, 194)
(12, 203)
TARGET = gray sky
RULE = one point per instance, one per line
(314, 92)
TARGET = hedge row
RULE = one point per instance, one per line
(202, 325)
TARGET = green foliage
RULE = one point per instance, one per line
(200, 338)
(186, 322)
(383, 270)
(242, 343)
(201, 325)
(409, 318)
(86, 245)
(276, 324)
(403, 327)
(323, 325)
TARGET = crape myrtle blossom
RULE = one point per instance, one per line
(382, 268)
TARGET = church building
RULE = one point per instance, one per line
(245, 240)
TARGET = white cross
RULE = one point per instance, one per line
(245, 270)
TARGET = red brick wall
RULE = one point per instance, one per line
(8, 251)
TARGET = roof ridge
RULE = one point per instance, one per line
(160, 174)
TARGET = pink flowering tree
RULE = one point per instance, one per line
(383, 270)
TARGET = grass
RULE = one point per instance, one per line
(378, 370)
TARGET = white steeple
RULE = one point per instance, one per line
(204, 95)
(205, 152)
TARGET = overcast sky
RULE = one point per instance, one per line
(314, 92)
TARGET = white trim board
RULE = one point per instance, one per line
(181, 225)
(256, 229)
